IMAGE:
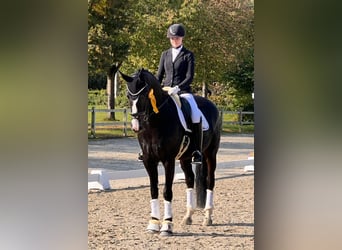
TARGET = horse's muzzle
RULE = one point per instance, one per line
(135, 125)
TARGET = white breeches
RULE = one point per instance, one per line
(195, 113)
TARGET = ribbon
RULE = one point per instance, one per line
(153, 101)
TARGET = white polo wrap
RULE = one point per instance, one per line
(155, 212)
(209, 203)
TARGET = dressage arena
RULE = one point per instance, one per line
(118, 217)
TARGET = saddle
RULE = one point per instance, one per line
(184, 106)
(184, 113)
(186, 109)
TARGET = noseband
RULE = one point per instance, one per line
(136, 96)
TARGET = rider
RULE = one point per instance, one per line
(177, 65)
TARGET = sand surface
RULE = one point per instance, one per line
(117, 218)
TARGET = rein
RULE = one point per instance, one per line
(147, 116)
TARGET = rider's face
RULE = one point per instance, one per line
(176, 41)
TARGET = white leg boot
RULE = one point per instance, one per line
(154, 224)
(167, 225)
(209, 206)
(190, 206)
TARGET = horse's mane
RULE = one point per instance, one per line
(151, 80)
(149, 77)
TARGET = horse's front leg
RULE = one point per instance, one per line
(152, 170)
(167, 225)
(190, 198)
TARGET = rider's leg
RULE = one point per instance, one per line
(196, 129)
(198, 137)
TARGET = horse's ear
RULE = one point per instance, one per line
(114, 68)
(126, 77)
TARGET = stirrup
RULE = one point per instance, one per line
(197, 157)
(140, 157)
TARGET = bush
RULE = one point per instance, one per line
(97, 97)
(97, 81)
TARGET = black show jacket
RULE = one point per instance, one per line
(180, 72)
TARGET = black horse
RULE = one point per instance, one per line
(162, 138)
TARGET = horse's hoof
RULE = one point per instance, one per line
(165, 233)
(187, 221)
(167, 228)
(207, 222)
(152, 231)
(153, 226)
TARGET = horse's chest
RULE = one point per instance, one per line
(154, 144)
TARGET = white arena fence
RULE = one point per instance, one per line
(126, 119)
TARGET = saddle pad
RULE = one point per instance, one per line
(205, 124)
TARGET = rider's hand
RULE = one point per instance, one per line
(173, 91)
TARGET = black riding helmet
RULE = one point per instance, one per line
(176, 30)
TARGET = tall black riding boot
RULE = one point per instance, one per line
(198, 138)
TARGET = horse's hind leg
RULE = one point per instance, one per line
(190, 199)
(209, 203)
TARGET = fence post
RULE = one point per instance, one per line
(221, 117)
(93, 122)
(125, 121)
(240, 120)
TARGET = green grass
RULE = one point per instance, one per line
(118, 132)
(111, 129)
(110, 133)
(245, 129)
(103, 116)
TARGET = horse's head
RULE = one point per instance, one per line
(143, 91)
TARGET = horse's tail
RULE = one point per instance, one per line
(202, 169)
(201, 184)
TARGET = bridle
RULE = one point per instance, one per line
(136, 94)
(143, 114)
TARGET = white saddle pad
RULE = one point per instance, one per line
(205, 124)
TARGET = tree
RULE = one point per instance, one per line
(107, 43)
(219, 32)
(222, 39)
(241, 85)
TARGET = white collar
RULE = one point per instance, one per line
(178, 49)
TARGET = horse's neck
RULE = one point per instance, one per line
(161, 106)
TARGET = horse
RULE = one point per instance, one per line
(164, 139)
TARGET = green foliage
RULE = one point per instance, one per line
(97, 81)
(107, 39)
(220, 33)
(122, 101)
(241, 86)
(97, 98)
